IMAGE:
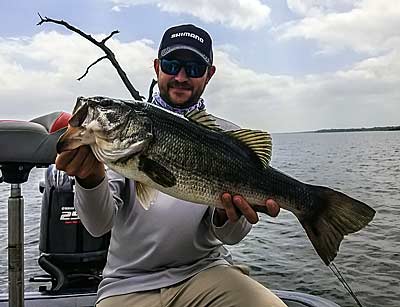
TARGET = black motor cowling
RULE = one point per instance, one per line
(73, 258)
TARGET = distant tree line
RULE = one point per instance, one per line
(386, 128)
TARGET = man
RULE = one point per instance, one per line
(173, 253)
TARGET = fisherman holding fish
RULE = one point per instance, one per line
(173, 253)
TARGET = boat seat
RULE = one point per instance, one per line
(26, 144)
(69, 254)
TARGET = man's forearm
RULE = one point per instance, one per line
(91, 181)
(220, 217)
(96, 207)
(229, 232)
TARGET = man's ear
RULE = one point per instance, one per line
(156, 65)
(210, 73)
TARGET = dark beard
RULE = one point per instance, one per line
(191, 101)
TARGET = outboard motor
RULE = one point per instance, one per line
(73, 258)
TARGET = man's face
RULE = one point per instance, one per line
(180, 89)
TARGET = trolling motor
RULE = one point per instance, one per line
(24, 145)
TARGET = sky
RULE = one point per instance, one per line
(282, 65)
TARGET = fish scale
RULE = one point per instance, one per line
(191, 158)
(190, 162)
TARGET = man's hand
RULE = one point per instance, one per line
(82, 164)
(236, 206)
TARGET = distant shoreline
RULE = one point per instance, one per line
(386, 128)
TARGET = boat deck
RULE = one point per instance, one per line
(36, 299)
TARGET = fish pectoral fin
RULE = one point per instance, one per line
(146, 195)
(158, 173)
(259, 142)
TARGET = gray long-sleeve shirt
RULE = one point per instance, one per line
(154, 248)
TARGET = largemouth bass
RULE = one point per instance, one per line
(191, 158)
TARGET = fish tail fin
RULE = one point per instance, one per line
(338, 216)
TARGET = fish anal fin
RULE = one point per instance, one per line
(146, 195)
(338, 216)
(158, 173)
(259, 142)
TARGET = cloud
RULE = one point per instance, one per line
(367, 27)
(364, 95)
(238, 14)
(318, 7)
(38, 76)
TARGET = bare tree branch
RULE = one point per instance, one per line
(108, 37)
(109, 54)
(87, 69)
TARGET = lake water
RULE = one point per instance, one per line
(365, 165)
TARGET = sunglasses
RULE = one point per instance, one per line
(192, 69)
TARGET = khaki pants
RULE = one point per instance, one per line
(220, 286)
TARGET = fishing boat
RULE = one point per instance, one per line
(72, 259)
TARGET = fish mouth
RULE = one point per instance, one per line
(73, 137)
(70, 139)
(79, 115)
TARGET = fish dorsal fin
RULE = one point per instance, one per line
(203, 118)
(260, 142)
(146, 195)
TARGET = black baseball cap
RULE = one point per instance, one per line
(187, 37)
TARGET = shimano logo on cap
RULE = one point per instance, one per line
(188, 34)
